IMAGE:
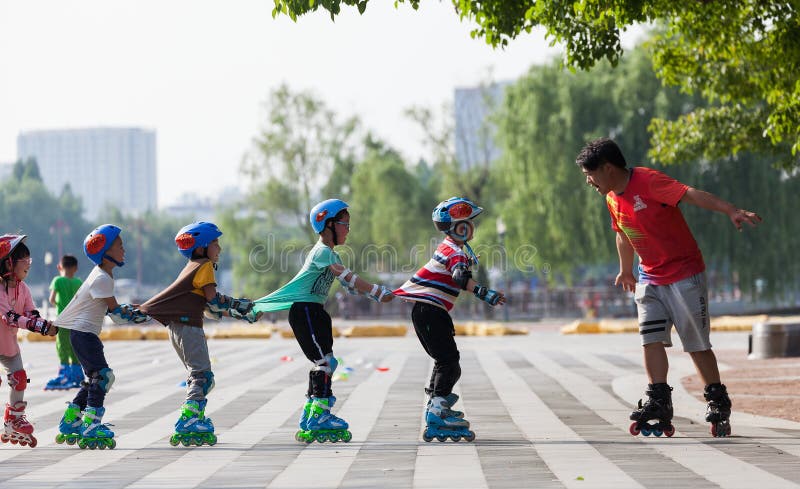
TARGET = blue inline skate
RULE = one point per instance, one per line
(304, 414)
(323, 426)
(718, 412)
(193, 428)
(95, 434)
(75, 373)
(442, 422)
(69, 429)
(658, 408)
(61, 381)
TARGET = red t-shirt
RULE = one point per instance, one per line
(647, 213)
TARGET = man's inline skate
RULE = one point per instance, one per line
(69, 429)
(17, 427)
(193, 428)
(321, 425)
(658, 407)
(442, 422)
(95, 434)
(718, 412)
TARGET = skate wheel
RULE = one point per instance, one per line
(669, 431)
(441, 438)
(173, 440)
(101, 445)
(13, 441)
(186, 442)
(427, 437)
(455, 437)
(33, 442)
(4, 438)
(333, 437)
(212, 440)
(112, 444)
(634, 429)
(646, 431)
(60, 438)
(657, 432)
(82, 444)
(346, 437)
(71, 441)
(322, 437)
(23, 443)
(469, 436)
(297, 436)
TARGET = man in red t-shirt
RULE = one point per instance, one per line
(671, 289)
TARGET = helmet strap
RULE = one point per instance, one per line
(115, 262)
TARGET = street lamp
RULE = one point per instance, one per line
(501, 236)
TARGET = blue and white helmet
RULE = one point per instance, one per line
(99, 241)
(198, 234)
(453, 210)
(325, 210)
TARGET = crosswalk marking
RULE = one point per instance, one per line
(544, 416)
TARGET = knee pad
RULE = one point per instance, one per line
(323, 365)
(18, 380)
(208, 383)
(332, 362)
(104, 378)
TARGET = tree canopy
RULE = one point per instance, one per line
(743, 56)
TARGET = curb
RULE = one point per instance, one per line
(610, 326)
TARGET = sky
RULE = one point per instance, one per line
(199, 71)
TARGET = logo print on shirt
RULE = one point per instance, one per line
(638, 204)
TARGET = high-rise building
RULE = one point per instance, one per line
(474, 131)
(103, 166)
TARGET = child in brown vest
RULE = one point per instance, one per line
(180, 307)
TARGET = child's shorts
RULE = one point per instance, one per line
(684, 304)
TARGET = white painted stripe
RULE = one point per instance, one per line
(554, 441)
(330, 461)
(704, 460)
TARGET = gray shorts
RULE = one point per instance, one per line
(684, 304)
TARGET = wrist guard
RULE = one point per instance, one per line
(34, 324)
(491, 297)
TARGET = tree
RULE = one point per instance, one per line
(300, 145)
(742, 56)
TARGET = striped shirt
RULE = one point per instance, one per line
(433, 283)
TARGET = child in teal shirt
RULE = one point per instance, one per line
(305, 297)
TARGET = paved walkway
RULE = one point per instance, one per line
(548, 410)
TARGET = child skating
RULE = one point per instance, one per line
(18, 311)
(180, 308)
(82, 420)
(305, 297)
(434, 290)
(62, 290)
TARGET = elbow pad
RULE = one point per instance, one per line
(462, 276)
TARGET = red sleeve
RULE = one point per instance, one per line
(666, 189)
(456, 259)
(610, 203)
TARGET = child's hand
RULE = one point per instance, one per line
(388, 297)
(52, 330)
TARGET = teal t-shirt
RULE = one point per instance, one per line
(65, 288)
(311, 284)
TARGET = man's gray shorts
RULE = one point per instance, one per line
(684, 304)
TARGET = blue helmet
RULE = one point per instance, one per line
(99, 241)
(453, 210)
(327, 209)
(196, 235)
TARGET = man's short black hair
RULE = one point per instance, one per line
(69, 261)
(600, 151)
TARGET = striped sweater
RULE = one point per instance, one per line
(433, 283)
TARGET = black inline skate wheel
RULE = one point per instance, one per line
(470, 437)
